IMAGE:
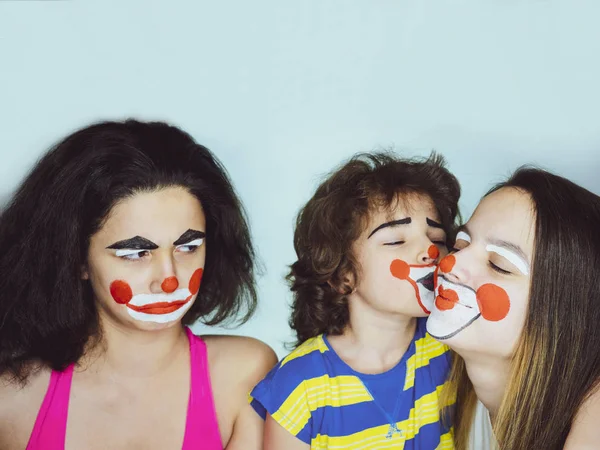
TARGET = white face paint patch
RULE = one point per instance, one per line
(160, 308)
(127, 252)
(455, 308)
(196, 242)
(513, 258)
(463, 236)
(423, 277)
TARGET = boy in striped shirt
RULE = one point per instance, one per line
(365, 374)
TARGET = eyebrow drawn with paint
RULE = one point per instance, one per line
(189, 236)
(463, 234)
(434, 224)
(511, 252)
(392, 223)
(134, 243)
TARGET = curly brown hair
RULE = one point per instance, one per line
(333, 219)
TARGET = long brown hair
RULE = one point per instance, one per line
(335, 217)
(556, 364)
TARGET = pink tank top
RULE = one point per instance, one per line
(201, 427)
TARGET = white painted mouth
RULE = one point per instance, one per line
(163, 299)
(444, 324)
(427, 296)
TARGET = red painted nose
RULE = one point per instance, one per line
(433, 252)
(170, 284)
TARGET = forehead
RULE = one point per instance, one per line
(413, 205)
(161, 214)
(507, 214)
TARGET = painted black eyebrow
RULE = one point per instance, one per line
(189, 236)
(393, 223)
(512, 247)
(500, 243)
(434, 224)
(134, 243)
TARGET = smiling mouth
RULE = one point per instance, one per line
(160, 307)
(427, 282)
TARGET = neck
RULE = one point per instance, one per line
(374, 341)
(128, 353)
(489, 377)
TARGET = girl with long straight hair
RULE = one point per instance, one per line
(518, 301)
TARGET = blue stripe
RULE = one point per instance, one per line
(272, 392)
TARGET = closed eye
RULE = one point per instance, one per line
(498, 269)
(394, 243)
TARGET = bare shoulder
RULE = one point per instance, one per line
(585, 432)
(249, 358)
(19, 405)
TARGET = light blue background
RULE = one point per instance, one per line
(282, 91)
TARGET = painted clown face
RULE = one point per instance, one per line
(145, 264)
(398, 253)
(482, 288)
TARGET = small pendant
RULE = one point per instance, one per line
(392, 430)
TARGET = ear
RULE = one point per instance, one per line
(85, 275)
(343, 285)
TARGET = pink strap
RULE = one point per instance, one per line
(51, 423)
(201, 428)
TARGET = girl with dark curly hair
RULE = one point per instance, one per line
(365, 373)
(122, 234)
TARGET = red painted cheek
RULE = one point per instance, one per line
(121, 292)
(400, 269)
(493, 302)
(433, 252)
(447, 264)
(195, 281)
(170, 284)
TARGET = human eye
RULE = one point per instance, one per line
(132, 254)
(191, 246)
(438, 240)
(498, 269)
(394, 243)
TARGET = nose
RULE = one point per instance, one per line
(429, 255)
(164, 278)
(453, 268)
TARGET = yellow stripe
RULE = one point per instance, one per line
(425, 411)
(308, 346)
(426, 349)
(316, 393)
(446, 441)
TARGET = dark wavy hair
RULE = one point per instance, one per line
(47, 312)
(556, 364)
(334, 218)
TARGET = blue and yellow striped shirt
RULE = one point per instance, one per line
(322, 401)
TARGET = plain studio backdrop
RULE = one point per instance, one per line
(283, 91)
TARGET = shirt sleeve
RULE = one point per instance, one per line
(283, 394)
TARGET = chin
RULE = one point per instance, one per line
(162, 326)
(408, 311)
